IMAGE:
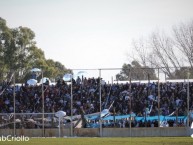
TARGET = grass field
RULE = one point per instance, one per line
(105, 141)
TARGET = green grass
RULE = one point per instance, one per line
(105, 141)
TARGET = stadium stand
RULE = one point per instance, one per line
(143, 97)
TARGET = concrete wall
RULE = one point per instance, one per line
(36, 132)
(84, 132)
(106, 132)
(148, 132)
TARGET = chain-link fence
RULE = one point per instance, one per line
(146, 98)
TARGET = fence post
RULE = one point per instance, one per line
(158, 100)
(100, 102)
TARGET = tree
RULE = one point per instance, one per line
(19, 53)
(5, 40)
(164, 54)
(136, 71)
(174, 54)
(55, 69)
(183, 41)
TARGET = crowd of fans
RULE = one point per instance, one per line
(139, 98)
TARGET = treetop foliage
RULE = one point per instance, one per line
(19, 54)
(173, 54)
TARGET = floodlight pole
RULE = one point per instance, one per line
(100, 102)
(71, 103)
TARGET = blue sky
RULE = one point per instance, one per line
(93, 33)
